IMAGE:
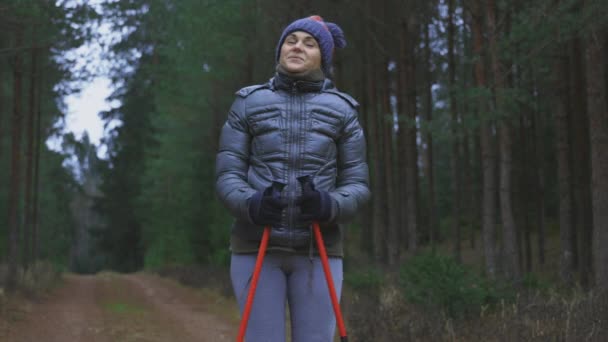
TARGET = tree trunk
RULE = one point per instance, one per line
(511, 263)
(248, 11)
(455, 140)
(526, 190)
(369, 220)
(563, 167)
(35, 187)
(14, 190)
(581, 171)
(378, 202)
(433, 229)
(598, 131)
(411, 164)
(392, 208)
(403, 86)
(488, 156)
(2, 107)
(539, 165)
(29, 155)
(470, 142)
(469, 191)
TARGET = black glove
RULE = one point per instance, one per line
(266, 207)
(315, 205)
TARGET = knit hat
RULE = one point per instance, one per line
(328, 36)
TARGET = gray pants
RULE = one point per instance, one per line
(287, 279)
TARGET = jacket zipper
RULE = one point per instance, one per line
(293, 160)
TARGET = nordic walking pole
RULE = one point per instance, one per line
(277, 187)
(330, 281)
(254, 284)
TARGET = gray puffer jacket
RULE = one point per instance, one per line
(280, 131)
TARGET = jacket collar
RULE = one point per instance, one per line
(284, 82)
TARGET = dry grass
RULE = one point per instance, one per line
(36, 280)
(544, 312)
(387, 316)
(32, 284)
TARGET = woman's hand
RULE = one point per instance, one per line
(315, 205)
(266, 207)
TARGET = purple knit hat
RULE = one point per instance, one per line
(328, 35)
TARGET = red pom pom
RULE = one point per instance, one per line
(316, 17)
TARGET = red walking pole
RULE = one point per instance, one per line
(330, 281)
(254, 284)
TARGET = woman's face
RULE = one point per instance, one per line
(300, 52)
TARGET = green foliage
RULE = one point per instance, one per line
(48, 30)
(215, 235)
(169, 249)
(364, 280)
(177, 67)
(437, 281)
(532, 281)
(159, 182)
(56, 227)
(159, 205)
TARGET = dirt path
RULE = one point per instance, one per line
(120, 308)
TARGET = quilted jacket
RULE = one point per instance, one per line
(279, 131)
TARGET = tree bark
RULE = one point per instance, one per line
(2, 107)
(392, 207)
(403, 150)
(470, 142)
(455, 140)
(378, 200)
(411, 163)
(527, 195)
(563, 168)
(469, 191)
(36, 180)
(598, 131)
(488, 156)
(14, 188)
(539, 165)
(581, 168)
(29, 155)
(433, 229)
(369, 220)
(521, 189)
(510, 254)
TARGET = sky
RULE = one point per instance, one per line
(82, 113)
(83, 108)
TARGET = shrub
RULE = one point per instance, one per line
(437, 281)
(37, 279)
(532, 281)
(363, 280)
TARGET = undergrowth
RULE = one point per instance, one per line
(434, 298)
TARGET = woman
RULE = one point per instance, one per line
(292, 152)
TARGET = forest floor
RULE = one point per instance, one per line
(120, 308)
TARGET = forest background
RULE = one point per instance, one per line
(487, 129)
